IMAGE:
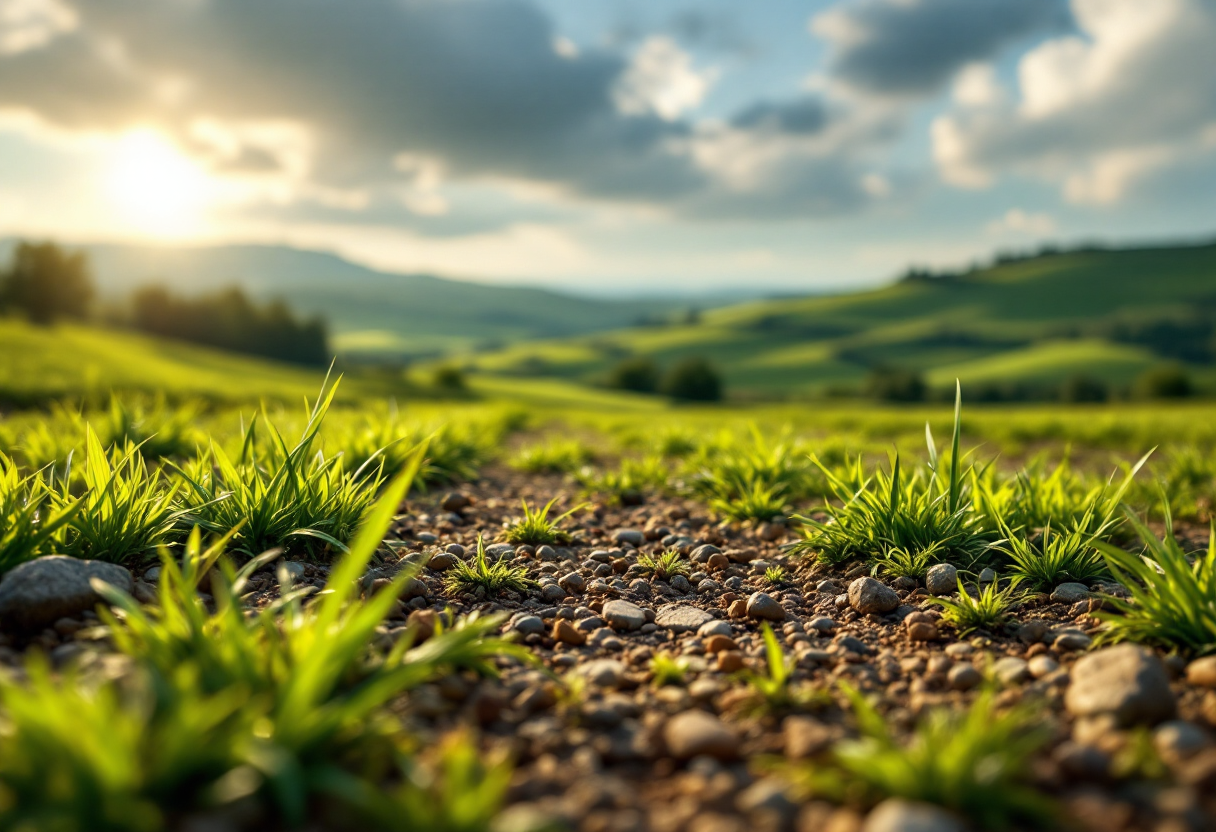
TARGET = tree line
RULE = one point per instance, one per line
(47, 283)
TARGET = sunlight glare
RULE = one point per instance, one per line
(158, 190)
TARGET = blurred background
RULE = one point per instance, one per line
(608, 203)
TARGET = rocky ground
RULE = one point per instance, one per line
(598, 745)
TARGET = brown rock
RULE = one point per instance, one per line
(694, 733)
(1126, 681)
(716, 644)
(805, 737)
(730, 661)
(423, 621)
(1202, 672)
(737, 609)
(717, 562)
(920, 631)
(566, 632)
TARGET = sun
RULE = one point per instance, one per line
(155, 188)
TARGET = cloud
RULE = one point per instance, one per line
(913, 47)
(661, 80)
(1100, 113)
(1018, 221)
(805, 115)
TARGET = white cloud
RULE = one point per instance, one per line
(661, 79)
(29, 24)
(1130, 98)
(1018, 221)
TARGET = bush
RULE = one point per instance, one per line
(640, 375)
(229, 320)
(448, 377)
(1083, 389)
(693, 380)
(1169, 381)
(890, 385)
(47, 283)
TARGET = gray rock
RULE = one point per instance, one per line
(766, 795)
(898, 815)
(715, 627)
(454, 549)
(622, 615)
(828, 587)
(1041, 665)
(763, 606)
(294, 569)
(695, 733)
(631, 536)
(546, 553)
(987, 575)
(528, 625)
(572, 582)
(426, 538)
(708, 587)
(867, 595)
(604, 673)
(36, 593)
(1011, 670)
(822, 625)
(1126, 681)
(1070, 593)
(552, 593)
(1070, 640)
(963, 676)
(1178, 740)
(498, 551)
(441, 562)
(680, 584)
(455, 501)
(152, 576)
(702, 553)
(941, 579)
(681, 618)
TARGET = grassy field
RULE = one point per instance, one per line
(1040, 320)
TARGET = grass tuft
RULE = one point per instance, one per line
(536, 529)
(985, 611)
(492, 578)
(664, 567)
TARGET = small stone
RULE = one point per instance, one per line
(828, 587)
(567, 633)
(703, 553)
(1070, 593)
(1126, 681)
(454, 549)
(572, 582)
(631, 536)
(987, 575)
(899, 815)
(622, 615)
(852, 644)
(1202, 672)
(1041, 666)
(730, 661)
(681, 618)
(770, 532)
(1178, 740)
(1011, 670)
(763, 606)
(922, 631)
(737, 609)
(604, 673)
(528, 625)
(695, 733)
(959, 650)
(822, 625)
(441, 562)
(716, 644)
(805, 736)
(35, 594)
(715, 627)
(152, 575)
(426, 538)
(963, 676)
(708, 587)
(1033, 631)
(1072, 641)
(941, 579)
(867, 595)
(552, 593)
(498, 551)
(455, 501)
(717, 562)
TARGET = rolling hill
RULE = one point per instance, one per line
(371, 313)
(1103, 314)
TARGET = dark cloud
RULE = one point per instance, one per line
(801, 116)
(914, 46)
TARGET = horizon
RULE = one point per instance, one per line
(610, 149)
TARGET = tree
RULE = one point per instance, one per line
(894, 385)
(640, 375)
(448, 377)
(47, 283)
(693, 380)
(1167, 381)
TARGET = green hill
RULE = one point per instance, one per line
(371, 313)
(1105, 314)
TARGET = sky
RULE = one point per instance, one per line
(613, 146)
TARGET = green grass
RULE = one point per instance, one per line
(535, 528)
(666, 669)
(491, 578)
(987, 610)
(1173, 600)
(975, 763)
(775, 692)
(664, 567)
(29, 521)
(553, 457)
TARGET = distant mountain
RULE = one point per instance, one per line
(1100, 314)
(370, 312)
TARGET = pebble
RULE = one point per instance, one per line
(426, 538)
(963, 676)
(441, 562)
(1011, 670)
(708, 587)
(681, 618)
(455, 501)
(1070, 593)
(680, 584)
(622, 615)
(35, 594)
(941, 579)
(552, 593)
(987, 575)
(959, 650)
(695, 733)
(715, 627)
(294, 569)
(631, 536)
(716, 644)
(822, 624)
(730, 661)
(567, 633)
(1126, 681)
(922, 631)
(604, 673)
(1178, 740)
(867, 595)
(1041, 666)
(1072, 641)
(572, 582)
(1202, 672)
(454, 549)
(805, 736)
(763, 606)
(703, 553)
(528, 625)
(899, 815)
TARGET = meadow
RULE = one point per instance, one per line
(335, 614)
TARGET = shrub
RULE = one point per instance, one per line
(1168, 381)
(639, 374)
(693, 380)
(1083, 389)
(448, 377)
(894, 385)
